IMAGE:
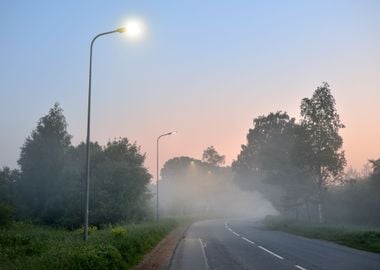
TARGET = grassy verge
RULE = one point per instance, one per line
(33, 247)
(358, 237)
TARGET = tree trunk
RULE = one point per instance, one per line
(320, 206)
(320, 212)
(308, 211)
(320, 199)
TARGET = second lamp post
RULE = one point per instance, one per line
(158, 175)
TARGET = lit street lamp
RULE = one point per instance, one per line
(158, 176)
(133, 29)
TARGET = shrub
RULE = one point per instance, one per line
(83, 256)
(119, 231)
(5, 215)
(25, 246)
(91, 230)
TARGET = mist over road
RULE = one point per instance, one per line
(239, 244)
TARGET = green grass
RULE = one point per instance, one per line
(25, 246)
(359, 237)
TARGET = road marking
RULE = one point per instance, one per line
(238, 235)
(204, 254)
(272, 253)
(249, 241)
(300, 267)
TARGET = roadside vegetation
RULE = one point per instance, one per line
(355, 236)
(26, 246)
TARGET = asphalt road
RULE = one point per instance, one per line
(239, 244)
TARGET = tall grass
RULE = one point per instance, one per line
(359, 237)
(25, 246)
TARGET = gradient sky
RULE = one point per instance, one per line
(205, 69)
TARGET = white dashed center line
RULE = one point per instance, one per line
(300, 267)
(253, 243)
(272, 253)
(247, 240)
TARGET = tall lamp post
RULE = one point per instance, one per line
(133, 28)
(158, 176)
(119, 30)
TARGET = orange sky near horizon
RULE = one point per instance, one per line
(225, 124)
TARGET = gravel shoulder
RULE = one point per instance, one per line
(160, 257)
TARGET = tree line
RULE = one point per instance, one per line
(48, 187)
(297, 165)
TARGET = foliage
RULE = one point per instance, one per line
(356, 201)
(293, 163)
(5, 215)
(321, 121)
(211, 156)
(120, 181)
(42, 162)
(8, 179)
(49, 188)
(34, 247)
(273, 161)
(119, 231)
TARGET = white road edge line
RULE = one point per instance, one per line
(249, 241)
(272, 253)
(299, 267)
(238, 235)
(204, 254)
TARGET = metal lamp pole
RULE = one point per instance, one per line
(119, 30)
(158, 176)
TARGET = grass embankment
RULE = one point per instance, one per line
(365, 238)
(34, 247)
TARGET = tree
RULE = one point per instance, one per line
(119, 181)
(41, 162)
(272, 161)
(321, 122)
(8, 180)
(211, 156)
(375, 167)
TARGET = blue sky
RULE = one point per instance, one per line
(205, 68)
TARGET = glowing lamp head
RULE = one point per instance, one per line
(133, 28)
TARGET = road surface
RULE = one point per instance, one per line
(239, 244)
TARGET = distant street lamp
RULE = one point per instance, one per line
(158, 176)
(134, 29)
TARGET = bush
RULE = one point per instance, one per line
(119, 231)
(91, 230)
(83, 256)
(5, 215)
(24, 246)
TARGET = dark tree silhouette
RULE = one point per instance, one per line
(321, 122)
(272, 161)
(211, 156)
(41, 162)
